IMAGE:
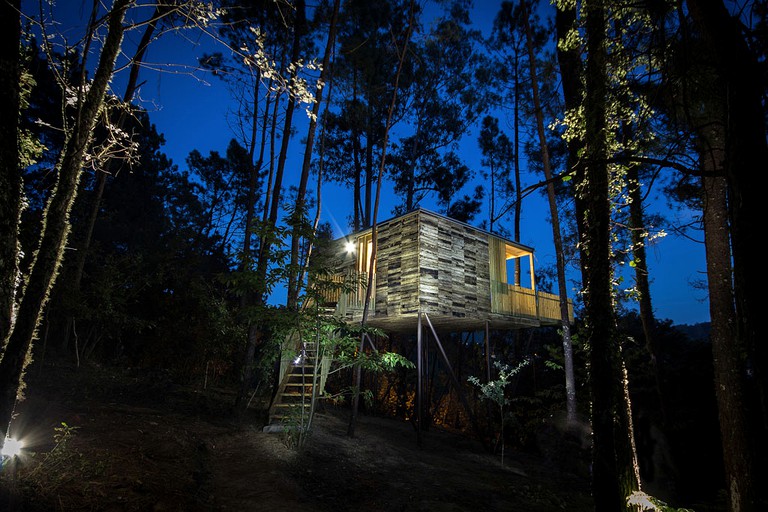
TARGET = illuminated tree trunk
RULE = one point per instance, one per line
(10, 173)
(55, 230)
(647, 319)
(614, 475)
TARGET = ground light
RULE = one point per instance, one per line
(11, 447)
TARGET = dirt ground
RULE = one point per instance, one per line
(135, 441)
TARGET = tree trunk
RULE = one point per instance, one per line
(358, 169)
(253, 178)
(374, 231)
(647, 319)
(368, 167)
(746, 150)
(101, 177)
(294, 281)
(611, 479)
(565, 323)
(267, 238)
(10, 173)
(518, 192)
(726, 346)
(56, 225)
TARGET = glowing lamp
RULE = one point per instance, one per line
(11, 447)
(350, 247)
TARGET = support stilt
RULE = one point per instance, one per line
(419, 386)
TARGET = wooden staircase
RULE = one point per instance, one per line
(291, 407)
(302, 380)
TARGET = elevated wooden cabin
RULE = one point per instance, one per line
(461, 276)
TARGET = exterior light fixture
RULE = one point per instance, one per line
(349, 247)
(301, 357)
(11, 448)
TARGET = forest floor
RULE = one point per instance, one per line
(135, 441)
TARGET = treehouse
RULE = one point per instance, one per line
(462, 277)
(427, 268)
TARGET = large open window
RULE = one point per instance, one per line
(513, 285)
(510, 264)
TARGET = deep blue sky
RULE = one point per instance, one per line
(191, 108)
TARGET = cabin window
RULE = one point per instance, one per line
(364, 249)
(518, 270)
(510, 265)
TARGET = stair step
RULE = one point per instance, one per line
(297, 394)
(292, 405)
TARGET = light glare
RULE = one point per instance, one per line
(350, 247)
(11, 447)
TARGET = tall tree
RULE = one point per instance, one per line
(613, 476)
(113, 165)
(402, 52)
(364, 74)
(223, 183)
(730, 141)
(729, 384)
(298, 217)
(595, 228)
(268, 239)
(746, 149)
(10, 172)
(498, 156)
(565, 323)
(48, 257)
(508, 49)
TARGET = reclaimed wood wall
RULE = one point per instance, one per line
(397, 276)
(453, 268)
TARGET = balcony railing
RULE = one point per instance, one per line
(347, 291)
(524, 302)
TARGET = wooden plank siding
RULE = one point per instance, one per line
(427, 262)
(453, 269)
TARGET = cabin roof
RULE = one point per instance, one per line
(517, 245)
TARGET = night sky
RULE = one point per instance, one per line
(193, 110)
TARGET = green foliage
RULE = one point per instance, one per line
(249, 280)
(30, 147)
(347, 351)
(495, 391)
